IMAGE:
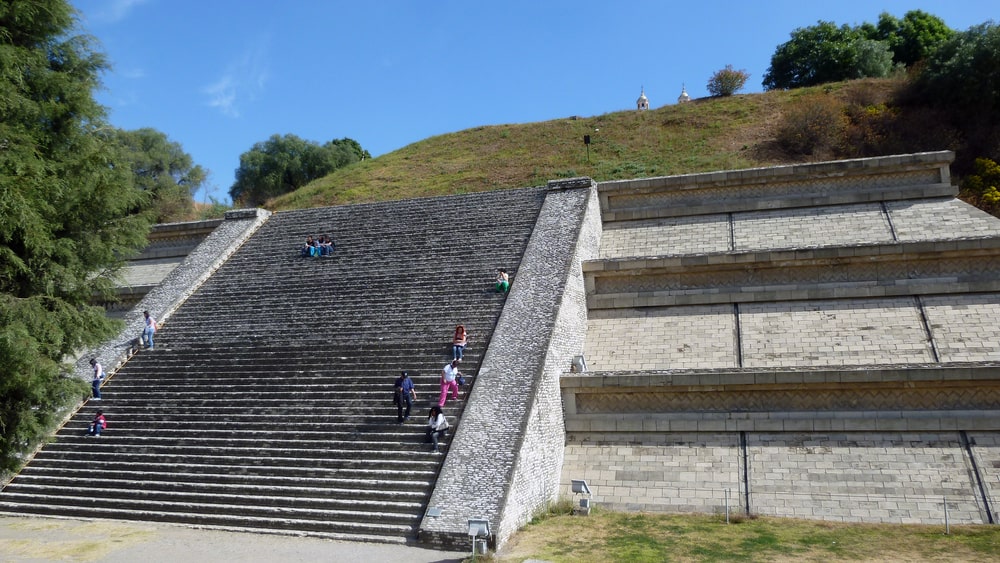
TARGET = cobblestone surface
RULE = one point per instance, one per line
(966, 328)
(940, 219)
(833, 333)
(813, 226)
(678, 235)
(835, 225)
(149, 272)
(661, 338)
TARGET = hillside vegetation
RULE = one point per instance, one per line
(703, 135)
(707, 134)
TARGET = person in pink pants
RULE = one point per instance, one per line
(448, 376)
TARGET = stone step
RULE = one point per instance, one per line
(345, 460)
(412, 490)
(385, 445)
(364, 482)
(276, 423)
(375, 510)
(298, 521)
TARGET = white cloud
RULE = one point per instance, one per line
(222, 95)
(133, 74)
(242, 81)
(113, 11)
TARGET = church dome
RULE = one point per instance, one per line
(643, 102)
(684, 96)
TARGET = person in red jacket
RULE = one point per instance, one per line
(99, 423)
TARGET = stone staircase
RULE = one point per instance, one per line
(267, 401)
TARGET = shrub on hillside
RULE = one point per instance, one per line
(811, 126)
(867, 129)
(727, 81)
(983, 186)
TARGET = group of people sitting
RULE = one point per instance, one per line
(320, 246)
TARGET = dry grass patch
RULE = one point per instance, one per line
(633, 537)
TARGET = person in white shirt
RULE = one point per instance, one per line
(95, 382)
(448, 376)
(149, 330)
(437, 426)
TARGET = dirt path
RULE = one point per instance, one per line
(36, 540)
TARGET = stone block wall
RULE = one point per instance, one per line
(505, 459)
(921, 175)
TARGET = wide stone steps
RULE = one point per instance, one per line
(149, 439)
(344, 461)
(267, 401)
(397, 491)
(345, 523)
(361, 478)
(230, 416)
(383, 510)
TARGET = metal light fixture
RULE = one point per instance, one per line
(479, 532)
(580, 488)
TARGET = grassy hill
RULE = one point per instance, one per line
(703, 135)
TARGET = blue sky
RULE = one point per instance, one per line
(218, 76)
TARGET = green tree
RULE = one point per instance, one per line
(962, 77)
(872, 59)
(913, 38)
(286, 163)
(827, 53)
(727, 81)
(164, 171)
(68, 215)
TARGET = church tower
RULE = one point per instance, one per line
(642, 104)
(683, 98)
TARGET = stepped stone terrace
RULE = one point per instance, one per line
(811, 341)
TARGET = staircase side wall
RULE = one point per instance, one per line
(179, 284)
(505, 460)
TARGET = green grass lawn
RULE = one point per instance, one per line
(636, 538)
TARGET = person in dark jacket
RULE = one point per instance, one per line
(405, 394)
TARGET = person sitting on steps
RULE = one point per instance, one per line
(307, 248)
(437, 427)
(502, 281)
(97, 425)
(326, 246)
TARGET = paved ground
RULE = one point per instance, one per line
(37, 540)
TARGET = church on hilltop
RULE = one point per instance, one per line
(642, 104)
